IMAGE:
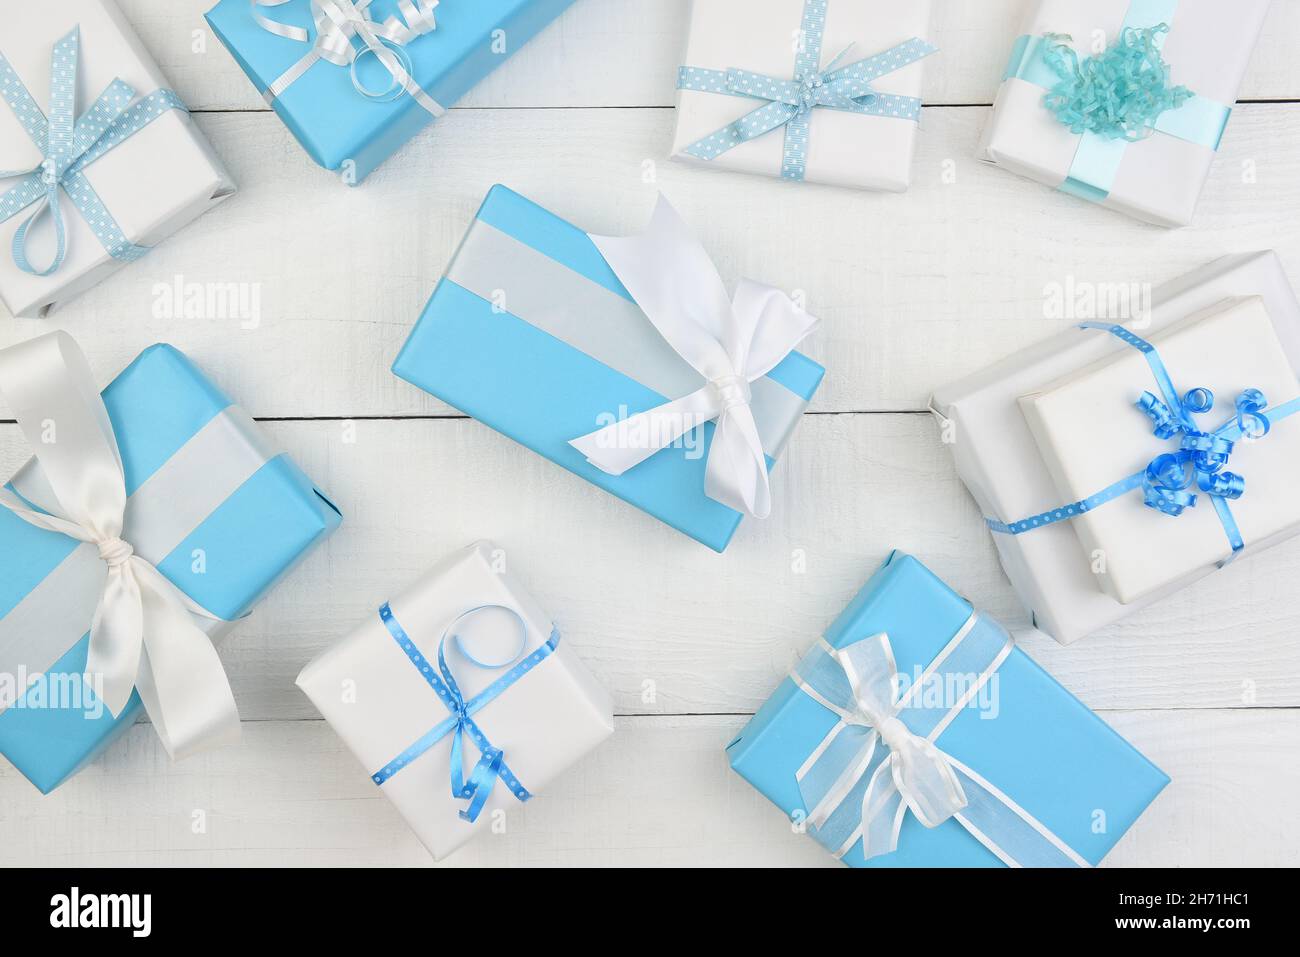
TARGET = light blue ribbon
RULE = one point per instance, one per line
(491, 764)
(68, 148)
(1117, 97)
(1199, 461)
(791, 102)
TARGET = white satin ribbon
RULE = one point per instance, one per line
(730, 341)
(338, 23)
(142, 635)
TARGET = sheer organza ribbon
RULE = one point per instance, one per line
(791, 102)
(345, 31)
(731, 341)
(69, 143)
(143, 636)
(491, 765)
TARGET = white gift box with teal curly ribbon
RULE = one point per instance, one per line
(1157, 174)
(158, 179)
(858, 133)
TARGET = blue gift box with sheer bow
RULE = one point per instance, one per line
(333, 69)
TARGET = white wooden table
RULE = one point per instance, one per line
(914, 290)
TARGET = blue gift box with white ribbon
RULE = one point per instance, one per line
(354, 81)
(916, 734)
(210, 502)
(532, 332)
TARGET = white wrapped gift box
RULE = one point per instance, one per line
(1091, 434)
(158, 180)
(843, 149)
(1159, 178)
(998, 457)
(379, 703)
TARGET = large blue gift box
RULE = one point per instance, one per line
(531, 332)
(224, 541)
(1046, 764)
(341, 127)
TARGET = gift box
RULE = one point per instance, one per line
(1003, 466)
(1170, 68)
(353, 82)
(138, 170)
(839, 105)
(210, 503)
(460, 698)
(916, 734)
(534, 332)
(1095, 428)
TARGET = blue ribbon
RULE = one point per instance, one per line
(1117, 97)
(491, 764)
(68, 148)
(791, 102)
(1199, 462)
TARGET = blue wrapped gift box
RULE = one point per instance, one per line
(511, 336)
(1038, 744)
(265, 519)
(333, 121)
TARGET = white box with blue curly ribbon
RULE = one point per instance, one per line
(136, 170)
(1123, 102)
(826, 91)
(1054, 443)
(460, 697)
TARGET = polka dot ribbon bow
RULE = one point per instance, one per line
(792, 101)
(345, 32)
(491, 765)
(70, 144)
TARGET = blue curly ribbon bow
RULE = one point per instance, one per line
(69, 147)
(1118, 97)
(1199, 461)
(791, 102)
(491, 764)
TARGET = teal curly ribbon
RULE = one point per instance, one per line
(1116, 98)
(791, 102)
(1119, 94)
(1199, 461)
(68, 148)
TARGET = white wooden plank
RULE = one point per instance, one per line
(671, 627)
(658, 793)
(626, 53)
(914, 290)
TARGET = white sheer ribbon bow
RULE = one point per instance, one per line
(142, 636)
(729, 341)
(338, 23)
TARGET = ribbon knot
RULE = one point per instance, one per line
(115, 552)
(893, 734)
(739, 340)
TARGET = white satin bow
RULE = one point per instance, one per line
(142, 636)
(916, 775)
(338, 22)
(729, 341)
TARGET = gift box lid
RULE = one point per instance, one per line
(1031, 738)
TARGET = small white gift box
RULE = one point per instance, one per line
(157, 177)
(514, 707)
(1091, 434)
(741, 51)
(999, 459)
(1158, 177)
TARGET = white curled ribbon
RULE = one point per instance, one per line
(338, 23)
(142, 635)
(730, 341)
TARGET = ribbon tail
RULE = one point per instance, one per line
(481, 783)
(736, 474)
(181, 679)
(622, 445)
(116, 648)
(882, 807)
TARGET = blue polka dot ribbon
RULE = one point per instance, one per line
(791, 102)
(69, 147)
(1199, 461)
(491, 765)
